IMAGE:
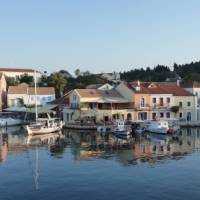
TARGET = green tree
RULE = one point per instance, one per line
(11, 81)
(58, 81)
(43, 80)
(77, 72)
(25, 78)
(192, 77)
(174, 109)
(86, 73)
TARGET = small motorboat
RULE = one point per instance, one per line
(159, 127)
(138, 127)
(10, 122)
(120, 129)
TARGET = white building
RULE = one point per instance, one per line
(115, 76)
(194, 88)
(17, 72)
(23, 94)
(105, 86)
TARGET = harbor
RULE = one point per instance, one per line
(99, 100)
(72, 161)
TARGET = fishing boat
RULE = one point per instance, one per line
(121, 129)
(44, 125)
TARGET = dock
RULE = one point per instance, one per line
(184, 124)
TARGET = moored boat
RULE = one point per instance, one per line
(43, 126)
(160, 127)
(121, 129)
(10, 121)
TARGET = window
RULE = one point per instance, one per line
(168, 114)
(161, 115)
(154, 100)
(49, 98)
(161, 101)
(180, 104)
(154, 116)
(188, 103)
(180, 115)
(168, 99)
(142, 102)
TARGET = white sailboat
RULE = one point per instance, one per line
(43, 126)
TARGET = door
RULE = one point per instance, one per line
(142, 116)
(189, 116)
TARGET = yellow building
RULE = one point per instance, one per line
(97, 106)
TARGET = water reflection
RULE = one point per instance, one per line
(150, 148)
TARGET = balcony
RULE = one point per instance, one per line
(143, 107)
(107, 106)
(161, 106)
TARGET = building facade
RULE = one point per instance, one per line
(25, 95)
(97, 106)
(155, 100)
(17, 72)
(3, 92)
(194, 88)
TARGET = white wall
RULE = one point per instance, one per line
(125, 91)
(12, 99)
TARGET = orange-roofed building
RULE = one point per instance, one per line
(154, 100)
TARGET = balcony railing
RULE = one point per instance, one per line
(160, 106)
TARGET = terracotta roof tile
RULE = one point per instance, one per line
(98, 93)
(23, 89)
(159, 88)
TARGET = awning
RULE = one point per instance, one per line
(113, 100)
(44, 109)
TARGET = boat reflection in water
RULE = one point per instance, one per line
(37, 140)
(73, 163)
(89, 145)
(151, 148)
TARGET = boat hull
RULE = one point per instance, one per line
(162, 131)
(10, 122)
(41, 131)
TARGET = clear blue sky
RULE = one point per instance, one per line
(98, 35)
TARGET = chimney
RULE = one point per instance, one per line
(137, 88)
(178, 82)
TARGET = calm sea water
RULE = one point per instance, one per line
(90, 166)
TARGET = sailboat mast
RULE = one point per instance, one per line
(36, 111)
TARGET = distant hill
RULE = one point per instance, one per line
(159, 73)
